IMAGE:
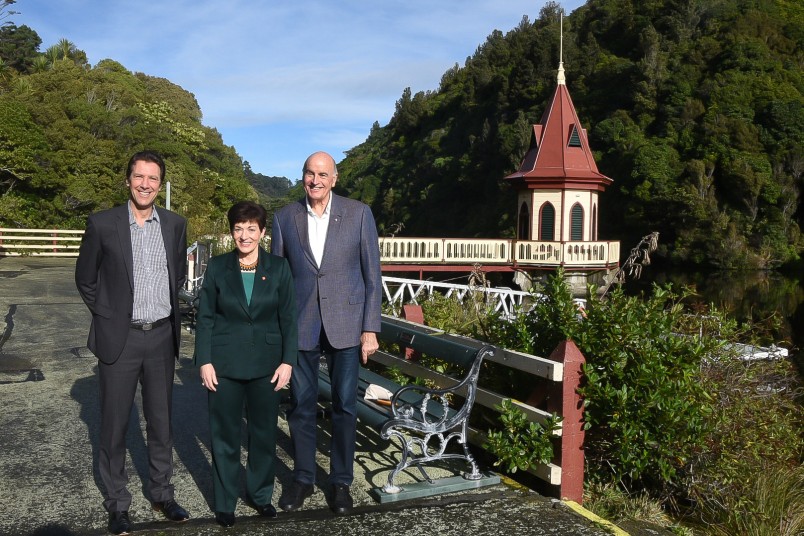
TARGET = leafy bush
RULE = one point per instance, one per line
(647, 412)
(448, 313)
(673, 415)
(521, 444)
(646, 409)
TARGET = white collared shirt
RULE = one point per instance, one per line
(317, 230)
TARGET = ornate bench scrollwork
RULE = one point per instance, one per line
(425, 428)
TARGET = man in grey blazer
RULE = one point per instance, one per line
(332, 246)
(131, 265)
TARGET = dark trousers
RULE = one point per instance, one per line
(147, 359)
(343, 365)
(225, 420)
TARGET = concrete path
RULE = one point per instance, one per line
(49, 423)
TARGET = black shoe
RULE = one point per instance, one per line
(341, 499)
(266, 510)
(293, 498)
(119, 523)
(172, 510)
(225, 519)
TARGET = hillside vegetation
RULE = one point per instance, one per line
(68, 128)
(693, 107)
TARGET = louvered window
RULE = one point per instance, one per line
(547, 223)
(576, 217)
(575, 138)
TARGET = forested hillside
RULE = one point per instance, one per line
(694, 107)
(68, 128)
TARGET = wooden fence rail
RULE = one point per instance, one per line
(556, 380)
(39, 242)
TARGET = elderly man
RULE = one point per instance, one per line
(130, 268)
(332, 247)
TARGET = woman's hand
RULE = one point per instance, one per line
(208, 377)
(281, 376)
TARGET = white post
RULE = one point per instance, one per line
(167, 196)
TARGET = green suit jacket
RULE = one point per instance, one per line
(246, 340)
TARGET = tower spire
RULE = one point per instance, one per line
(561, 79)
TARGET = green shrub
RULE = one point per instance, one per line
(645, 407)
(448, 313)
(520, 444)
(672, 415)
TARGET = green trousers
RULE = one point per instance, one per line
(225, 425)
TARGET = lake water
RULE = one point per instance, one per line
(755, 296)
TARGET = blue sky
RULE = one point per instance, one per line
(280, 79)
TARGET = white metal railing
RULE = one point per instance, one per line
(399, 291)
(39, 242)
(498, 251)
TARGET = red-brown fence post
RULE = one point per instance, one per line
(566, 401)
(413, 313)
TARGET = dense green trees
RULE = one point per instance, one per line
(694, 108)
(67, 130)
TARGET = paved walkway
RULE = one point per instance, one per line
(49, 431)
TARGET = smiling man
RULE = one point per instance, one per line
(332, 247)
(130, 268)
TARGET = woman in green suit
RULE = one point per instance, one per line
(245, 345)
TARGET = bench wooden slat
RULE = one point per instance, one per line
(434, 344)
(485, 397)
(539, 366)
(370, 412)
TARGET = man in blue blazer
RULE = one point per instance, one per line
(332, 246)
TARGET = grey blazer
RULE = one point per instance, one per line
(345, 293)
(104, 275)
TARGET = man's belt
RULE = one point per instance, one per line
(148, 326)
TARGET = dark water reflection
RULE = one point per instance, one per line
(753, 296)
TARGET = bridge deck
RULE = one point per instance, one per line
(49, 424)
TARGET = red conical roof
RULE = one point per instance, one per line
(559, 154)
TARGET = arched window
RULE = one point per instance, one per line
(547, 223)
(523, 229)
(594, 222)
(576, 222)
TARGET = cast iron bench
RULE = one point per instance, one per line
(420, 418)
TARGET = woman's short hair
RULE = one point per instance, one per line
(246, 211)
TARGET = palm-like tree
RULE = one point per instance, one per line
(40, 64)
(53, 54)
(67, 49)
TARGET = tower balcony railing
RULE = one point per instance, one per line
(403, 250)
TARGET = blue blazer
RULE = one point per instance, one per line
(245, 340)
(344, 295)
